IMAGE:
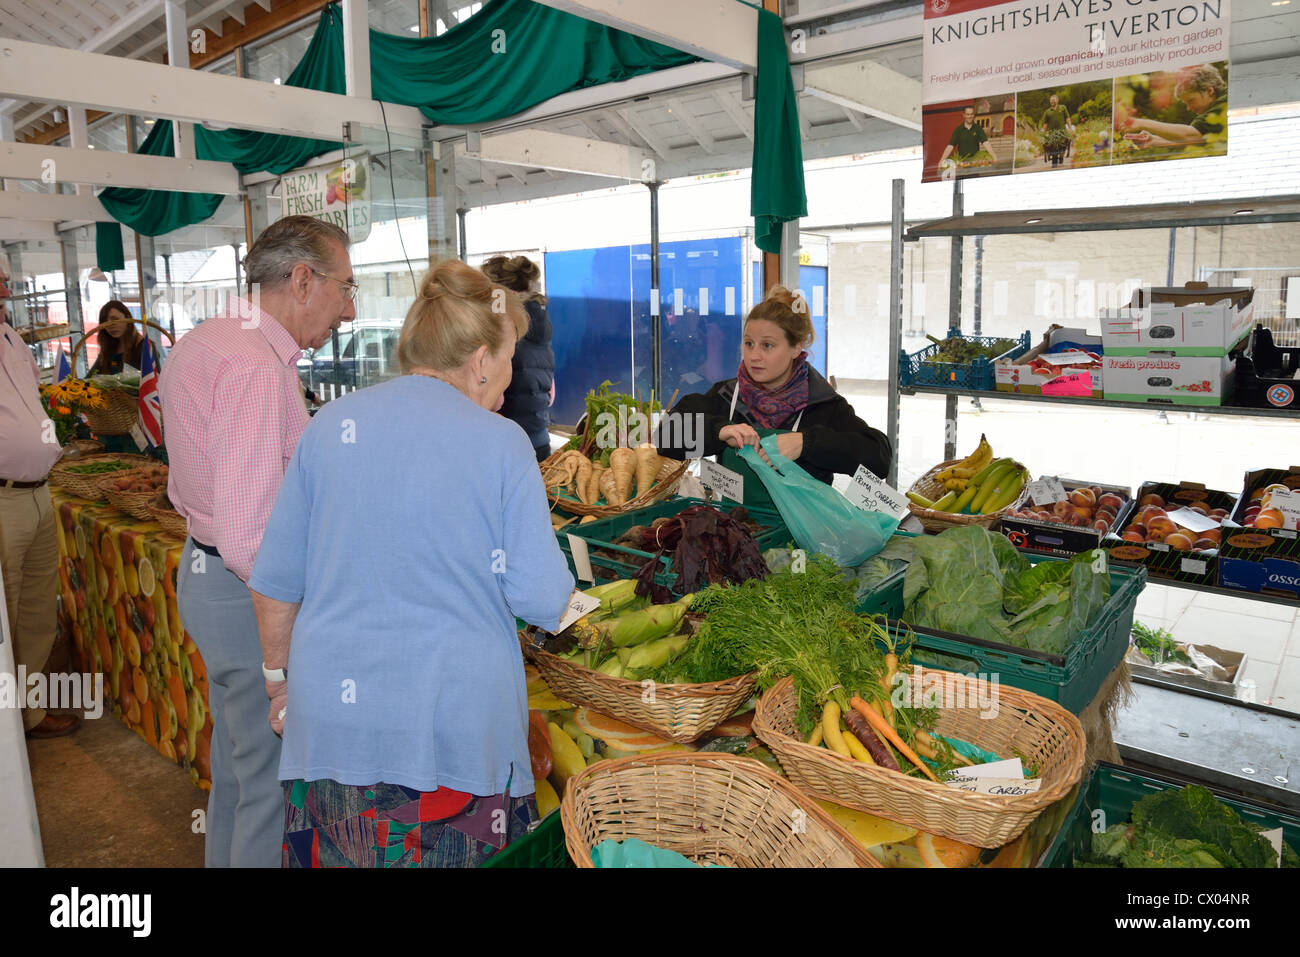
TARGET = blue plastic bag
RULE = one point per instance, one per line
(820, 518)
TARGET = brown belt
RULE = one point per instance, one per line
(6, 483)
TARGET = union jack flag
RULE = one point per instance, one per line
(150, 403)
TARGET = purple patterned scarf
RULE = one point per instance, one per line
(771, 408)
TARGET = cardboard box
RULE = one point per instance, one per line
(1162, 561)
(1217, 670)
(1264, 560)
(1055, 538)
(1018, 375)
(1195, 320)
(1169, 378)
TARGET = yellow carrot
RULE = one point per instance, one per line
(816, 737)
(884, 728)
(857, 749)
(831, 729)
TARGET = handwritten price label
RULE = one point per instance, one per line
(1047, 491)
(871, 494)
(579, 605)
(722, 480)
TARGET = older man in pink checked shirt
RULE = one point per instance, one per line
(233, 412)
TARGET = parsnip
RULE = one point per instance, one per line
(622, 463)
(647, 466)
(583, 480)
(593, 484)
(609, 489)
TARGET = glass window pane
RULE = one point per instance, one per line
(274, 59)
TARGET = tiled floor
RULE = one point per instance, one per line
(1269, 635)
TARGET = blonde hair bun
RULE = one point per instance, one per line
(457, 310)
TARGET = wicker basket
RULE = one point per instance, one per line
(87, 485)
(714, 809)
(171, 521)
(658, 492)
(928, 486)
(1041, 732)
(679, 713)
(121, 409)
(135, 504)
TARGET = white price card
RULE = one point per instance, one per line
(872, 494)
(1004, 787)
(722, 480)
(1193, 520)
(1274, 837)
(1288, 503)
(1047, 490)
(1193, 566)
(581, 560)
(1010, 768)
(579, 605)
(1067, 358)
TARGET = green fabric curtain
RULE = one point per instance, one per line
(510, 56)
(152, 212)
(776, 190)
(108, 247)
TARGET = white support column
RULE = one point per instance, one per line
(178, 55)
(356, 48)
(78, 139)
(7, 136)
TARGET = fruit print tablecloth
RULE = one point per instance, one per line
(117, 579)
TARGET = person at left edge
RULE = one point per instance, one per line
(411, 530)
(234, 412)
(29, 547)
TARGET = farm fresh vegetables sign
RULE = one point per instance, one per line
(338, 193)
(1034, 85)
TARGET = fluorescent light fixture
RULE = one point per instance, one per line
(1244, 212)
(1030, 222)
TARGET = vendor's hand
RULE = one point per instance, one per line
(278, 692)
(738, 436)
(790, 444)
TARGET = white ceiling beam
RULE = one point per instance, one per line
(730, 102)
(109, 168)
(17, 18)
(870, 88)
(127, 24)
(642, 128)
(719, 30)
(541, 149)
(93, 17)
(117, 85)
(852, 117)
(26, 230)
(264, 4)
(51, 207)
(689, 120)
(193, 20)
(72, 27)
(236, 12)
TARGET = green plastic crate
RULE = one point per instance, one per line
(1072, 679)
(602, 533)
(1114, 790)
(543, 847)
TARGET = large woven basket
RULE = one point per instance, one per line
(928, 486)
(171, 521)
(1047, 738)
(121, 408)
(661, 490)
(678, 712)
(714, 809)
(87, 485)
(135, 504)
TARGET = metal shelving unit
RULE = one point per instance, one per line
(959, 226)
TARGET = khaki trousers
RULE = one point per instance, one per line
(29, 557)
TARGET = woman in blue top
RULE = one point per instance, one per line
(424, 524)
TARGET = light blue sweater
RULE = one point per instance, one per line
(413, 527)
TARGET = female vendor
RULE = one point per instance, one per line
(776, 390)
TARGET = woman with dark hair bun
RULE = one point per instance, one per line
(531, 391)
(119, 340)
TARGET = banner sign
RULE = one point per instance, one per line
(338, 193)
(1036, 85)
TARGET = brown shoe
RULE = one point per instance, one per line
(55, 726)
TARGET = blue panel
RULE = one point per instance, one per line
(812, 279)
(588, 295)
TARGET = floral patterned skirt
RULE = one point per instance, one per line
(327, 824)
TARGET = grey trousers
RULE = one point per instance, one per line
(245, 816)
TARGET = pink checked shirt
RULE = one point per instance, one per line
(233, 412)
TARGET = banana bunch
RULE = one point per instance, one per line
(956, 478)
(977, 485)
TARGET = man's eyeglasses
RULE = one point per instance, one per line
(350, 289)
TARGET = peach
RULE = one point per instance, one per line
(1083, 496)
(1101, 525)
(1198, 509)
(1219, 513)
(1152, 499)
(1140, 528)
(1163, 527)
(1269, 518)
(1110, 500)
(1105, 513)
(1204, 544)
(1256, 495)
(1133, 536)
(1212, 534)
(1096, 491)
(1202, 505)
(1063, 508)
(1179, 541)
